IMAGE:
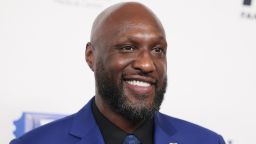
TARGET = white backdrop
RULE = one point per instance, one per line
(211, 61)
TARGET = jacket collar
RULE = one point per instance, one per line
(165, 132)
(85, 127)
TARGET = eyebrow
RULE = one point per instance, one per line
(160, 39)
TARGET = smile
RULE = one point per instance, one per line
(138, 83)
(138, 87)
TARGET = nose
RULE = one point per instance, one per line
(144, 62)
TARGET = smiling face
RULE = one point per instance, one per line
(129, 61)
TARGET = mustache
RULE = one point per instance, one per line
(141, 74)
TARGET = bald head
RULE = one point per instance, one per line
(119, 17)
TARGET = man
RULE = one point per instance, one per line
(127, 53)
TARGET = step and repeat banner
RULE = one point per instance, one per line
(211, 62)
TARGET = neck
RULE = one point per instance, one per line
(117, 119)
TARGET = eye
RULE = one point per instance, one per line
(158, 50)
(127, 48)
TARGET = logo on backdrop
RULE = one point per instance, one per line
(29, 121)
(247, 2)
(249, 9)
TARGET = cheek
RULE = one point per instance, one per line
(118, 63)
(161, 68)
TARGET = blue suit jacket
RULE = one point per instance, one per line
(81, 128)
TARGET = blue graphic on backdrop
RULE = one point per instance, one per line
(29, 121)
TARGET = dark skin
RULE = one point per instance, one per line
(130, 42)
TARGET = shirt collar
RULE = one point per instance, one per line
(113, 134)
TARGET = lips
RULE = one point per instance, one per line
(139, 85)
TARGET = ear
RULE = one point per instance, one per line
(89, 55)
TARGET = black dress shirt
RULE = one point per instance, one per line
(114, 135)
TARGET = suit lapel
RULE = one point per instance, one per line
(164, 133)
(85, 127)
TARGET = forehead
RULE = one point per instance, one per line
(132, 30)
(138, 31)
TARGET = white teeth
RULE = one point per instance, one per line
(139, 83)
